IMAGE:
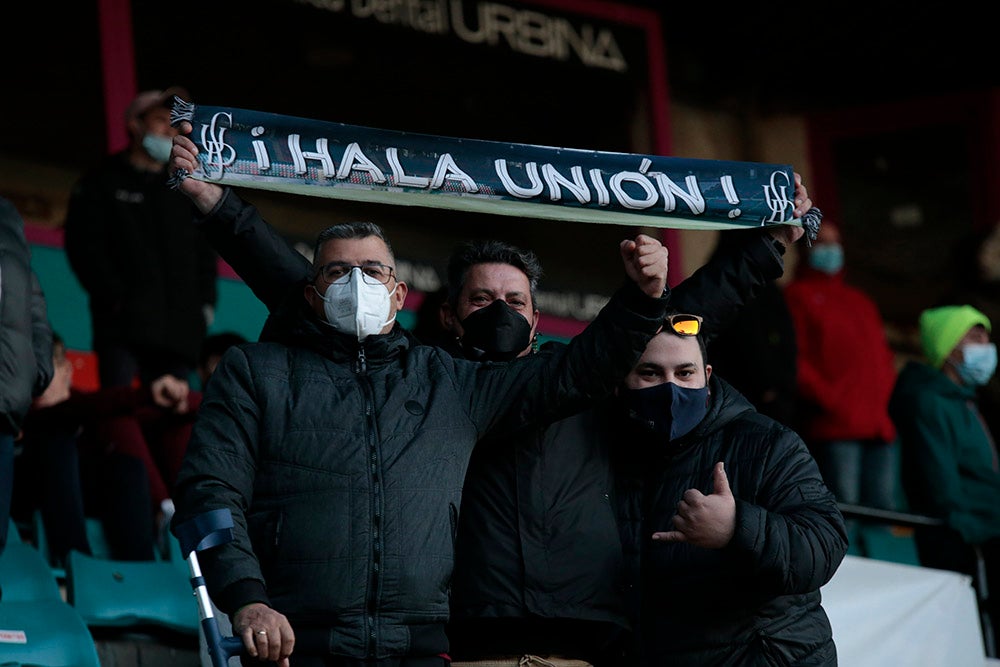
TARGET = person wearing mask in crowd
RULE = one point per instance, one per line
(405, 419)
(948, 454)
(511, 600)
(977, 283)
(846, 371)
(148, 273)
(99, 453)
(26, 341)
(729, 527)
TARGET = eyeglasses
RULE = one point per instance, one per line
(685, 325)
(372, 273)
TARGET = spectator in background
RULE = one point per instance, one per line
(111, 453)
(756, 353)
(948, 454)
(149, 273)
(845, 376)
(25, 346)
(977, 272)
(67, 479)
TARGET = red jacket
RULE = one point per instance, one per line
(846, 370)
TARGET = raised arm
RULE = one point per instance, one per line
(737, 272)
(259, 255)
(731, 279)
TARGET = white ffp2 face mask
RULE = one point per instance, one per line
(355, 307)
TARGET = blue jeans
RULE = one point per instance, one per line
(860, 472)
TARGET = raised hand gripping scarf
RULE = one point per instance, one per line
(273, 152)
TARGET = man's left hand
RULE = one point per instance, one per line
(705, 521)
(802, 201)
(789, 234)
(267, 635)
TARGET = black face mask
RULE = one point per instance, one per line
(495, 333)
(666, 410)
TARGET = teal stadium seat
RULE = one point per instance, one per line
(25, 576)
(36, 627)
(46, 633)
(131, 594)
(95, 539)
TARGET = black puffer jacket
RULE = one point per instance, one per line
(538, 559)
(343, 467)
(757, 601)
(25, 336)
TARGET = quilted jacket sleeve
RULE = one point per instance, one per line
(218, 473)
(793, 532)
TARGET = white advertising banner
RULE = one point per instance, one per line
(890, 614)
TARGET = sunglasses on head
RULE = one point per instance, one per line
(684, 324)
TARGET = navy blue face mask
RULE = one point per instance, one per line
(666, 409)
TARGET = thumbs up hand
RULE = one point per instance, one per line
(704, 521)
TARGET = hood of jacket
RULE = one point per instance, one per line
(918, 378)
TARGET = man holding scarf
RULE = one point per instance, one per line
(526, 499)
(340, 449)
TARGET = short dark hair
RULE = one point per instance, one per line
(472, 253)
(350, 230)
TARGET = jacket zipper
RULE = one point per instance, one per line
(376, 508)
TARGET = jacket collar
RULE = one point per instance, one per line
(916, 375)
(300, 327)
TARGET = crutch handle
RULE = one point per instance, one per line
(220, 649)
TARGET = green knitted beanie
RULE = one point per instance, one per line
(942, 328)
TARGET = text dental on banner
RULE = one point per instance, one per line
(274, 152)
